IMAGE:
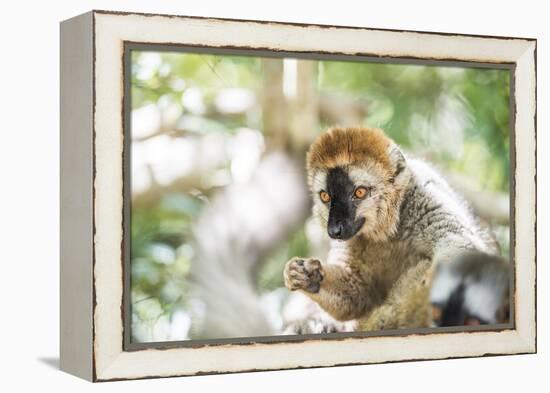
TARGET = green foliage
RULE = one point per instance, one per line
(161, 256)
(156, 75)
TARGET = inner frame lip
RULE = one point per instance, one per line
(129, 46)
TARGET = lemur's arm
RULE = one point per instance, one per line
(337, 288)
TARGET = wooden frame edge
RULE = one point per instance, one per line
(529, 341)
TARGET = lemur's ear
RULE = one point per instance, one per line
(398, 159)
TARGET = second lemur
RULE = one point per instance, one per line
(406, 251)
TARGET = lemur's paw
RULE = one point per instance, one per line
(472, 289)
(303, 273)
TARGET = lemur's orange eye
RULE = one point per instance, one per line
(360, 192)
(325, 197)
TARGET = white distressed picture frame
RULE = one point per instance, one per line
(92, 194)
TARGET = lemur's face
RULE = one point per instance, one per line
(348, 199)
(357, 176)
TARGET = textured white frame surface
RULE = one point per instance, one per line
(111, 30)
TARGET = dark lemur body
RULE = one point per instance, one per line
(406, 251)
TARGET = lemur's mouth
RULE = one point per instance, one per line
(357, 225)
(345, 231)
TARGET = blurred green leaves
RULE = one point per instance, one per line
(161, 257)
(158, 74)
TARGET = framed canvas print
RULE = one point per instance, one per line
(245, 195)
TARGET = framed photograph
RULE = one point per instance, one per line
(247, 195)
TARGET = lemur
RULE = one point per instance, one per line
(405, 250)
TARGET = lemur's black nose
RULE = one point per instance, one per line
(335, 230)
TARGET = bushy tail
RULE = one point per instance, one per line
(234, 232)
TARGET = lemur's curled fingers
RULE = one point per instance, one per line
(303, 273)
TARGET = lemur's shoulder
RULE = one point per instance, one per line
(431, 185)
(433, 208)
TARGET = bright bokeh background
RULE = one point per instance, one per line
(219, 202)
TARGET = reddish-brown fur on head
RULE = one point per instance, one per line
(345, 146)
